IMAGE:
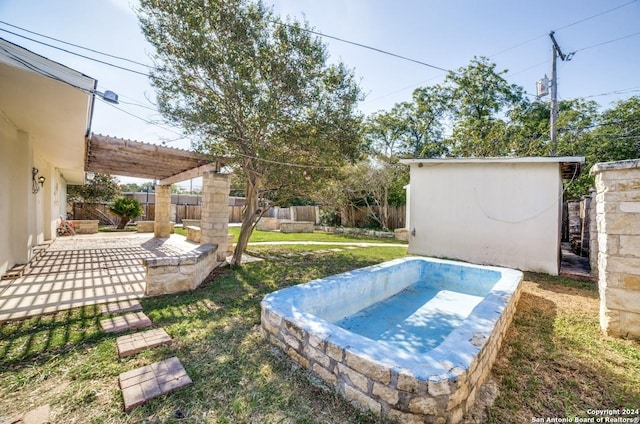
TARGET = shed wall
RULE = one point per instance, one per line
(506, 214)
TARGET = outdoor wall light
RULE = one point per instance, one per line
(35, 181)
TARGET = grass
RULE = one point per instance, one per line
(319, 236)
(554, 360)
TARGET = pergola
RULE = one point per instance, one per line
(116, 156)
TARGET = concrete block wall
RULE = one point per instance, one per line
(618, 223)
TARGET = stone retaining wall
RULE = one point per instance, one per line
(618, 222)
(193, 234)
(86, 226)
(296, 226)
(191, 223)
(175, 274)
(268, 224)
(148, 226)
(389, 391)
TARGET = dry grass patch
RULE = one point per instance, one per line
(555, 361)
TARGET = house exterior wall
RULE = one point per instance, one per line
(8, 142)
(505, 214)
(28, 218)
(17, 204)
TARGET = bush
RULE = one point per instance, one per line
(127, 209)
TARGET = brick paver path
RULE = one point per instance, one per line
(145, 383)
(133, 343)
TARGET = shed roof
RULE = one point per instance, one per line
(570, 166)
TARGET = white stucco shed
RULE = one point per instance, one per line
(498, 211)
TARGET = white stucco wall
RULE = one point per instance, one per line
(7, 144)
(28, 219)
(496, 213)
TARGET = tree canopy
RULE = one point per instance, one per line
(255, 89)
(102, 188)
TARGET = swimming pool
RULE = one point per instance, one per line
(412, 338)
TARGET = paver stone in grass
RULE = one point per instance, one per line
(121, 306)
(133, 343)
(122, 323)
(39, 415)
(142, 384)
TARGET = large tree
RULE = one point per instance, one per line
(254, 89)
(480, 100)
(102, 188)
(410, 128)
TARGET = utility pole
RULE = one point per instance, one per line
(555, 52)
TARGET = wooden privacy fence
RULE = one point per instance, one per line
(358, 218)
(101, 212)
(350, 217)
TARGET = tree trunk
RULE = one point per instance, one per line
(253, 181)
(123, 222)
(385, 209)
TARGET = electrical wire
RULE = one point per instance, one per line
(78, 46)
(364, 46)
(77, 54)
(609, 41)
(596, 15)
(563, 27)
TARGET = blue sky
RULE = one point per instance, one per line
(444, 33)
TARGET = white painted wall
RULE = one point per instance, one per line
(27, 219)
(496, 213)
(8, 135)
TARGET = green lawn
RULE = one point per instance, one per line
(554, 360)
(263, 236)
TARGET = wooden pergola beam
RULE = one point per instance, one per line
(192, 173)
(116, 156)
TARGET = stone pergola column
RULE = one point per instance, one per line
(162, 224)
(618, 222)
(214, 221)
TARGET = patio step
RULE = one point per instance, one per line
(15, 272)
(125, 322)
(142, 384)
(121, 307)
(133, 343)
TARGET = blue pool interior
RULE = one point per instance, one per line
(411, 305)
(417, 319)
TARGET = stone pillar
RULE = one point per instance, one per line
(214, 220)
(162, 224)
(618, 222)
(593, 235)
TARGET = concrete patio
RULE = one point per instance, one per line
(85, 270)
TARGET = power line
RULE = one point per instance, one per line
(596, 15)
(609, 41)
(364, 46)
(77, 54)
(620, 91)
(76, 45)
(140, 118)
(562, 27)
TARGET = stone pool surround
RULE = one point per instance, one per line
(437, 387)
